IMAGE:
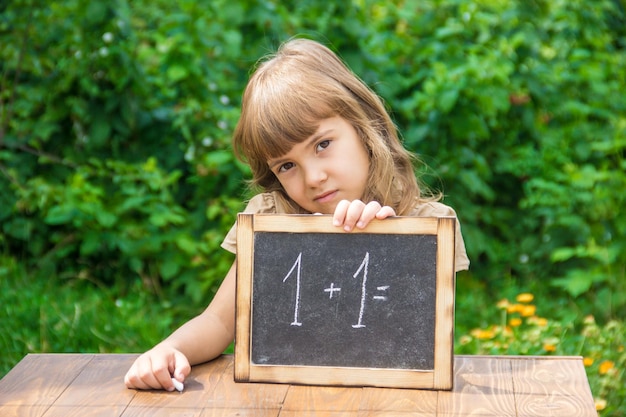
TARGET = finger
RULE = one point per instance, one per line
(385, 212)
(140, 376)
(340, 212)
(162, 369)
(181, 366)
(353, 214)
(369, 212)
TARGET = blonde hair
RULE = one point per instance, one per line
(288, 96)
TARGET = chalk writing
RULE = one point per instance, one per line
(363, 267)
(381, 297)
(331, 290)
(298, 263)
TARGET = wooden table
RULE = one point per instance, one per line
(82, 385)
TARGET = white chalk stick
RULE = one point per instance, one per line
(178, 385)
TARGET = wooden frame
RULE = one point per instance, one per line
(439, 378)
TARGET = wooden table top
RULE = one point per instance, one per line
(82, 385)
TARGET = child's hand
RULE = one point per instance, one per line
(155, 369)
(350, 214)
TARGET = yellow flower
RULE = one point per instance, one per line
(528, 311)
(515, 322)
(548, 347)
(504, 303)
(600, 403)
(514, 308)
(483, 334)
(525, 298)
(605, 367)
(587, 361)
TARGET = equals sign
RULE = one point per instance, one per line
(381, 297)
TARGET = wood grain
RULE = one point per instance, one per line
(226, 393)
(100, 383)
(303, 397)
(322, 224)
(551, 388)
(62, 385)
(162, 412)
(482, 387)
(444, 318)
(39, 380)
(422, 402)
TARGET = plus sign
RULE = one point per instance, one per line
(331, 290)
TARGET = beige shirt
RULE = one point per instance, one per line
(267, 203)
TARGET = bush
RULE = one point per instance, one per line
(116, 122)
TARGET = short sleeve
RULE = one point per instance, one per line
(260, 203)
(433, 209)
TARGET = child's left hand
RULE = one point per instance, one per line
(351, 214)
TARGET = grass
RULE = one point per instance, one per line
(51, 315)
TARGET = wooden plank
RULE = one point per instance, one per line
(482, 387)
(238, 412)
(25, 410)
(39, 379)
(374, 413)
(444, 318)
(243, 304)
(327, 375)
(227, 393)
(323, 224)
(100, 383)
(552, 387)
(85, 411)
(386, 400)
(316, 413)
(162, 412)
(318, 398)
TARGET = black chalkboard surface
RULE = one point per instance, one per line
(316, 305)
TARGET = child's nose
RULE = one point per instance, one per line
(315, 175)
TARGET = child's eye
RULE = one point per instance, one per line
(323, 145)
(285, 167)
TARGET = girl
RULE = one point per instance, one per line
(318, 140)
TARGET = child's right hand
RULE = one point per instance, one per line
(356, 213)
(156, 368)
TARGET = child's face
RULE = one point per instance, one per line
(329, 166)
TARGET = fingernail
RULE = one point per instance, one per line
(359, 225)
(347, 228)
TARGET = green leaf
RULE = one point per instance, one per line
(575, 284)
(61, 214)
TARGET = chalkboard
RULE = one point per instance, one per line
(316, 305)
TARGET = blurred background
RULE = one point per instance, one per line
(117, 180)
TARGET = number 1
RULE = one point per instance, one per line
(363, 267)
(296, 319)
